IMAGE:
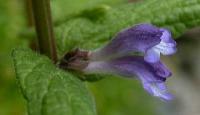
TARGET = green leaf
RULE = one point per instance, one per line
(62, 9)
(84, 32)
(49, 90)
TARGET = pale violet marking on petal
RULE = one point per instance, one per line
(95, 67)
(158, 90)
(167, 46)
(152, 55)
(98, 67)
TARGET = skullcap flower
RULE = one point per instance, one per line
(132, 53)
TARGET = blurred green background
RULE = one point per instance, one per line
(113, 96)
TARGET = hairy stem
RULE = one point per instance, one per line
(44, 29)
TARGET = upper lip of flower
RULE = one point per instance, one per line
(144, 38)
(135, 39)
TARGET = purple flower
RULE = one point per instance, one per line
(152, 75)
(143, 38)
(133, 53)
(120, 56)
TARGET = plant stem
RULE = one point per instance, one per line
(29, 13)
(44, 29)
(30, 24)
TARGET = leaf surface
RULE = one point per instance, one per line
(49, 90)
(85, 32)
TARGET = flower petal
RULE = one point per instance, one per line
(158, 90)
(126, 66)
(165, 49)
(152, 75)
(135, 39)
(167, 38)
(152, 56)
(161, 70)
(167, 46)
